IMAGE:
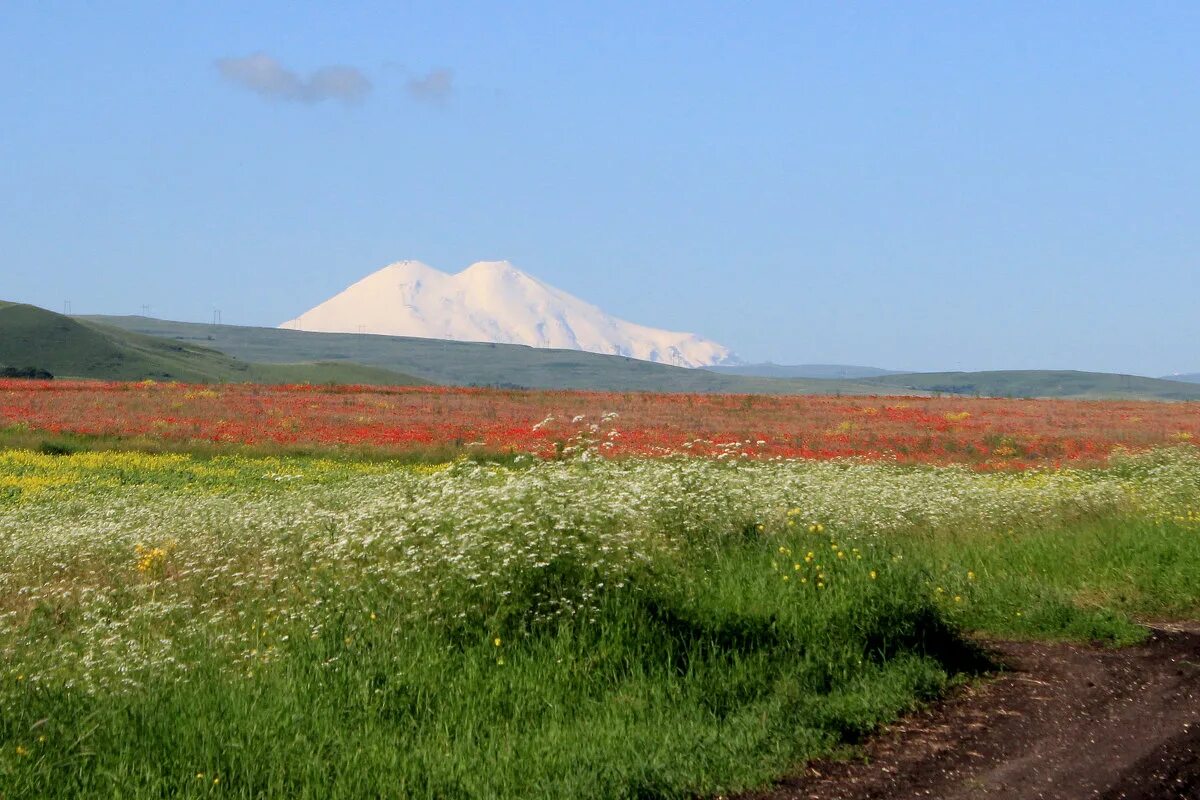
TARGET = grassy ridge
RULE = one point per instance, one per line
(473, 363)
(133, 348)
(318, 628)
(34, 337)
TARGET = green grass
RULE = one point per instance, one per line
(657, 697)
(308, 627)
(1090, 581)
(35, 337)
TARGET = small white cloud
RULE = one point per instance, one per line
(434, 87)
(265, 76)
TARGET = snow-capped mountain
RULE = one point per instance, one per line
(493, 301)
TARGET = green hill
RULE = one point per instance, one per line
(483, 364)
(1039, 383)
(69, 347)
(474, 363)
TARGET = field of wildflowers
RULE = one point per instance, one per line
(189, 625)
(438, 422)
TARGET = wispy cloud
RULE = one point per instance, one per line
(265, 76)
(436, 86)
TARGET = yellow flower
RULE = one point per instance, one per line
(497, 641)
(21, 751)
(873, 575)
(149, 558)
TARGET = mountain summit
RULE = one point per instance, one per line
(493, 301)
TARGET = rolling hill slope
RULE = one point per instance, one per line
(271, 354)
(68, 347)
(483, 364)
(475, 363)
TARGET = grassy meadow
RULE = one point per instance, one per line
(174, 625)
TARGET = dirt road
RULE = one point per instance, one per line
(1065, 723)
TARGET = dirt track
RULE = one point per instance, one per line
(1067, 722)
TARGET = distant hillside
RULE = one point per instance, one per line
(824, 371)
(1193, 377)
(69, 347)
(475, 363)
(481, 364)
(1039, 383)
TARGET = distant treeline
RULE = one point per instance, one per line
(34, 373)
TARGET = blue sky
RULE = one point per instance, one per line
(909, 185)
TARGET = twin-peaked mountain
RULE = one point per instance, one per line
(492, 301)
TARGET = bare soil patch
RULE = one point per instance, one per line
(1063, 722)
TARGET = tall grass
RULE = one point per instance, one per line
(701, 676)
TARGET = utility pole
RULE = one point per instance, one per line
(145, 310)
(216, 316)
(67, 307)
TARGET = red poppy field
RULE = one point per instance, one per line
(986, 433)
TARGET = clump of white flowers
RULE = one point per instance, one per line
(114, 567)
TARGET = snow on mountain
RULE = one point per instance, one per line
(493, 301)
